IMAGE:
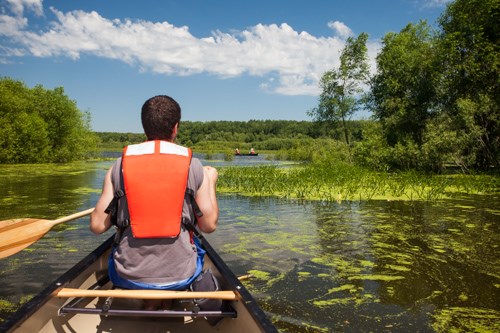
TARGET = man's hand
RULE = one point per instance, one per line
(211, 173)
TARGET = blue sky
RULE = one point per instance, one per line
(220, 59)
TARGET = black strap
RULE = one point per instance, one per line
(196, 209)
(113, 205)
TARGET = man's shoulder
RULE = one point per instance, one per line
(196, 163)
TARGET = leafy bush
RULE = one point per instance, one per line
(39, 125)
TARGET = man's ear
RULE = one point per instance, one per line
(174, 131)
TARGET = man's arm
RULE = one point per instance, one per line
(99, 220)
(207, 200)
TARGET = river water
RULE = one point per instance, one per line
(370, 266)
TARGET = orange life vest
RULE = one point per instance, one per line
(155, 175)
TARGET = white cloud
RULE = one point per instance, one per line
(296, 60)
(12, 26)
(435, 3)
(18, 6)
(340, 29)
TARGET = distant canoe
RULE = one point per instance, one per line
(256, 154)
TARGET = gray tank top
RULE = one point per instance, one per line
(159, 260)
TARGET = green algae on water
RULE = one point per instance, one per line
(462, 319)
(376, 277)
(260, 274)
(345, 287)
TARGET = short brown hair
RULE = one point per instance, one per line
(159, 116)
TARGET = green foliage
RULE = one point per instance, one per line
(316, 150)
(437, 94)
(470, 77)
(402, 91)
(248, 132)
(342, 86)
(373, 151)
(441, 145)
(114, 140)
(39, 125)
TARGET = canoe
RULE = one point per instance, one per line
(256, 154)
(82, 300)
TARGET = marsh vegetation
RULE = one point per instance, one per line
(330, 181)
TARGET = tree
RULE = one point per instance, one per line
(469, 86)
(402, 92)
(341, 87)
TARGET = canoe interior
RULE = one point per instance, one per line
(41, 314)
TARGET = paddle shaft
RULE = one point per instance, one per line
(147, 294)
(17, 234)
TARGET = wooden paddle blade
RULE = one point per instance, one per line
(17, 234)
(12, 250)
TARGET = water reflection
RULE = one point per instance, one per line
(339, 267)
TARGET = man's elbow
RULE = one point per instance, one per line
(95, 230)
(208, 225)
(96, 226)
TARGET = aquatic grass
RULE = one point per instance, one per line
(338, 181)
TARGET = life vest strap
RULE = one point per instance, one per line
(113, 205)
(196, 209)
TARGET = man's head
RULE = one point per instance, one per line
(159, 116)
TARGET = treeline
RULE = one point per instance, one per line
(38, 125)
(262, 134)
(258, 131)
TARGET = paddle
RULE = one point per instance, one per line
(17, 234)
(147, 294)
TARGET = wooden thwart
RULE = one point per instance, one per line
(148, 294)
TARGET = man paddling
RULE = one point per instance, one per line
(161, 193)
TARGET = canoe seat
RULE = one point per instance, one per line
(106, 297)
